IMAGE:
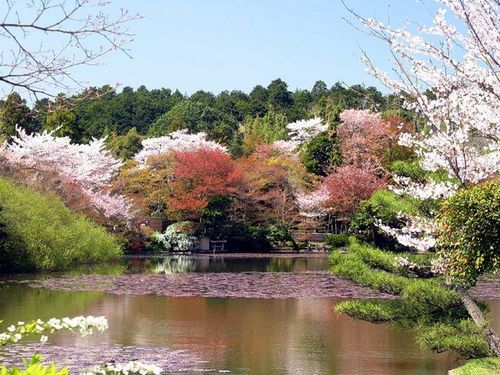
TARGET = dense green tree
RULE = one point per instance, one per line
(235, 103)
(258, 101)
(61, 119)
(62, 122)
(321, 154)
(194, 116)
(302, 105)
(39, 114)
(13, 112)
(280, 97)
(263, 130)
(204, 97)
(125, 146)
(319, 89)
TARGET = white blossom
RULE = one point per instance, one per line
(417, 233)
(179, 140)
(303, 130)
(129, 368)
(84, 324)
(299, 133)
(313, 204)
(423, 190)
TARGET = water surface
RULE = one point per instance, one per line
(240, 335)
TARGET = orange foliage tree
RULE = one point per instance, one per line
(270, 181)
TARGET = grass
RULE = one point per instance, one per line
(479, 366)
(39, 233)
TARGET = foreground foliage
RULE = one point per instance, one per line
(40, 233)
(427, 305)
(86, 326)
(470, 233)
(34, 367)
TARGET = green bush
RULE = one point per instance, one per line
(410, 169)
(384, 205)
(469, 235)
(40, 233)
(321, 154)
(336, 240)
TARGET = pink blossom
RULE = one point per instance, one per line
(90, 166)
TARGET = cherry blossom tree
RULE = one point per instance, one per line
(313, 204)
(299, 133)
(363, 136)
(454, 79)
(451, 70)
(89, 166)
(348, 186)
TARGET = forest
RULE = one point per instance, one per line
(249, 164)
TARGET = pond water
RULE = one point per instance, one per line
(217, 335)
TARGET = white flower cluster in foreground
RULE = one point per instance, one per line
(429, 189)
(84, 324)
(130, 368)
(179, 140)
(417, 232)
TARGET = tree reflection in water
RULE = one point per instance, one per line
(175, 264)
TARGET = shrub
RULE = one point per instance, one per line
(178, 237)
(321, 154)
(336, 240)
(41, 233)
(469, 235)
(383, 205)
(410, 169)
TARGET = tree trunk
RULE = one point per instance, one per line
(478, 317)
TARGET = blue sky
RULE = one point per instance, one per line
(235, 44)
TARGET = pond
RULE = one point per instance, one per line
(272, 334)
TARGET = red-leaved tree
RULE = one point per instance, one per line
(197, 176)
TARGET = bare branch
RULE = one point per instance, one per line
(68, 34)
